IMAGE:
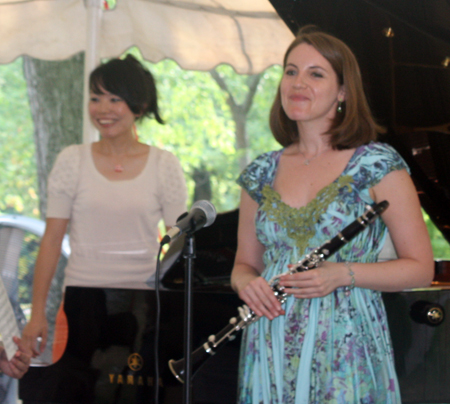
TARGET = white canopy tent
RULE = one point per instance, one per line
(197, 34)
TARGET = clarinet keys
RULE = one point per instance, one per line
(247, 316)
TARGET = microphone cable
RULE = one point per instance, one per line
(157, 326)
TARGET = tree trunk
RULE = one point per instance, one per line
(55, 93)
(239, 113)
(202, 179)
(240, 121)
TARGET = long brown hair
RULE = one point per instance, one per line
(352, 127)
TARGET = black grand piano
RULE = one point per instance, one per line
(109, 357)
(403, 47)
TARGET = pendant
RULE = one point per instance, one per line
(118, 168)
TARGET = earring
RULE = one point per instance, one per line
(339, 107)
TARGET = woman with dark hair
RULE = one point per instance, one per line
(329, 342)
(113, 192)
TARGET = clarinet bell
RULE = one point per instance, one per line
(198, 358)
(177, 369)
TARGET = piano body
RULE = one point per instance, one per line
(404, 51)
(109, 357)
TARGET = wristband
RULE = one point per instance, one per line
(349, 288)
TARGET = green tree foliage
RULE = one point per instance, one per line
(441, 248)
(18, 180)
(199, 130)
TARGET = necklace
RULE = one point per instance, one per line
(118, 168)
(307, 161)
(120, 161)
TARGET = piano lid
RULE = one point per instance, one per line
(403, 48)
(215, 251)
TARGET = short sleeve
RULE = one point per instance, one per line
(62, 182)
(374, 162)
(173, 190)
(259, 173)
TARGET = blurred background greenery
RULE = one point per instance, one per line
(216, 122)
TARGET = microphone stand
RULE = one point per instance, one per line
(189, 255)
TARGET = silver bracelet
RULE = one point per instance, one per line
(349, 288)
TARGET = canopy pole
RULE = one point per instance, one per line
(91, 60)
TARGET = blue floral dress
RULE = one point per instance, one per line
(334, 349)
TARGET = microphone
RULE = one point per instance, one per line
(202, 214)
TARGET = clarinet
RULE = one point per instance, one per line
(247, 316)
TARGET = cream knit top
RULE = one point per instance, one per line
(114, 224)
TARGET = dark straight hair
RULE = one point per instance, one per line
(131, 81)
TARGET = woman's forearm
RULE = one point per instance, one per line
(241, 275)
(393, 276)
(46, 263)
